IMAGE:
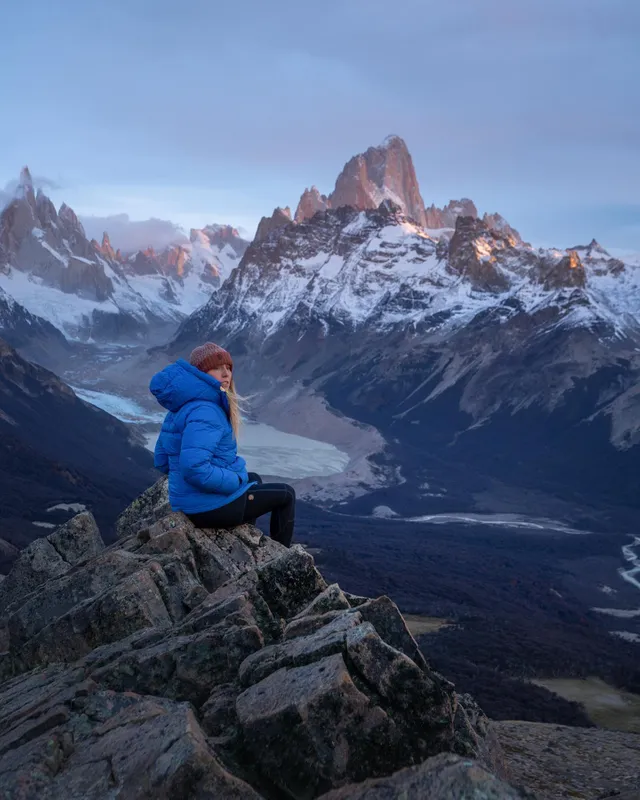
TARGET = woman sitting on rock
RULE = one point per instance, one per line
(197, 448)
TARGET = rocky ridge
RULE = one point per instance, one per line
(384, 173)
(218, 664)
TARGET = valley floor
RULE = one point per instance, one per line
(503, 586)
(559, 762)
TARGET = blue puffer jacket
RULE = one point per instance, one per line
(196, 446)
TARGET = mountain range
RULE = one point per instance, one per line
(472, 378)
(485, 362)
(88, 290)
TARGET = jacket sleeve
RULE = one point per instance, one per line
(160, 457)
(200, 439)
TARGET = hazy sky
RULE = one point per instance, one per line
(207, 111)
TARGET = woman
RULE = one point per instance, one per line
(197, 448)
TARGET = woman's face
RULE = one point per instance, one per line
(222, 374)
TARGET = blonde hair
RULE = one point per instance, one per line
(236, 403)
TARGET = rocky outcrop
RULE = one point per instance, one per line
(566, 272)
(279, 219)
(223, 236)
(443, 776)
(106, 248)
(498, 223)
(472, 254)
(438, 218)
(51, 557)
(381, 173)
(597, 260)
(310, 203)
(218, 664)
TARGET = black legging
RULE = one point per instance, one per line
(277, 498)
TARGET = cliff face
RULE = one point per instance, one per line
(177, 650)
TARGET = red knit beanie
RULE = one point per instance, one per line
(209, 356)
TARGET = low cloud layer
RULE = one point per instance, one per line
(129, 235)
(8, 193)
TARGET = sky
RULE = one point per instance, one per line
(204, 111)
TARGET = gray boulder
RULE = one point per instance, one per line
(64, 738)
(151, 506)
(52, 556)
(310, 728)
(443, 777)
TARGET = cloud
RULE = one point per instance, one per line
(130, 235)
(39, 182)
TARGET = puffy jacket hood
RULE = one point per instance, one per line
(180, 383)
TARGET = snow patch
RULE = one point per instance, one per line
(122, 408)
(627, 635)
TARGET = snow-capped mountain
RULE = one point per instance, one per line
(469, 346)
(377, 269)
(381, 173)
(90, 291)
(186, 274)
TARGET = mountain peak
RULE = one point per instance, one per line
(310, 203)
(25, 177)
(70, 219)
(393, 140)
(25, 187)
(381, 173)
(279, 218)
(446, 217)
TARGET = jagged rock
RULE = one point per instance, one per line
(437, 218)
(132, 604)
(498, 223)
(239, 598)
(290, 582)
(35, 565)
(279, 219)
(218, 714)
(299, 651)
(46, 211)
(151, 506)
(355, 600)
(443, 777)
(65, 739)
(300, 686)
(303, 626)
(472, 254)
(386, 618)
(331, 599)
(384, 172)
(76, 540)
(310, 728)
(184, 667)
(567, 272)
(310, 203)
